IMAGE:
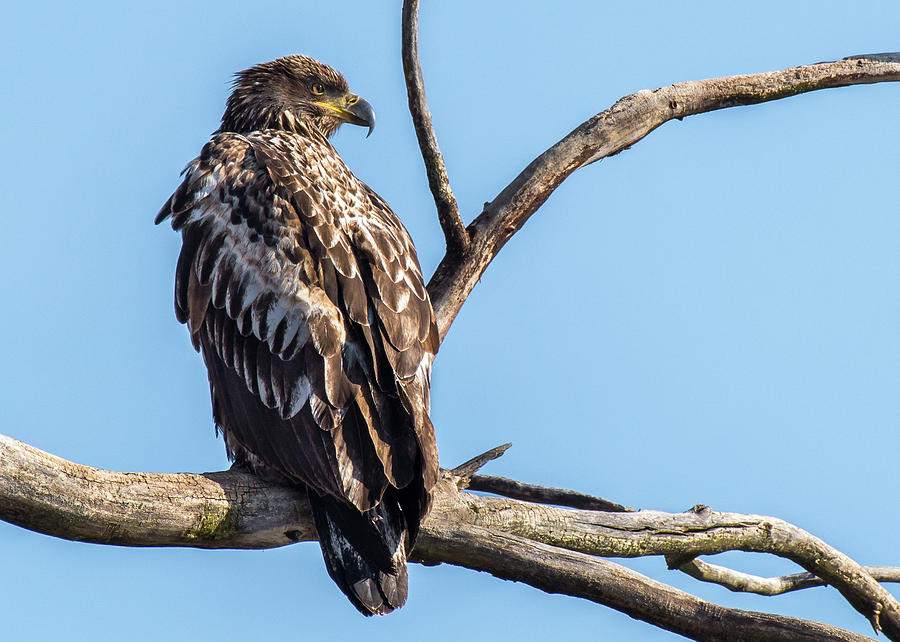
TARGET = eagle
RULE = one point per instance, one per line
(303, 293)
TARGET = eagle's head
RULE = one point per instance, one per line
(293, 93)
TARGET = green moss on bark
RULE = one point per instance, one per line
(215, 523)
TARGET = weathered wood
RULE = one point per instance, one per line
(746, 583)
(614, 130)
(514, 558)
(606, 134)
(455, 233)
(472, 466)
(550, 548)
(47, 494)
(699, 531)
(543, 494)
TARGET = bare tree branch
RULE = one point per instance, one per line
(469, 468)
(448, 211)
(699, 531)
(47, 494)
(746, 583)
(232, 509)
(525, 492)
(614, 130)
(515, 558)
(542, 494)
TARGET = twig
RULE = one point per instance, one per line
(543, 494)
(893, 56)
(448, 211)
(526, 492)
(746, 583)
(614, 130)
(469, 468)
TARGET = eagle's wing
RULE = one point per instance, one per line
(303, 291)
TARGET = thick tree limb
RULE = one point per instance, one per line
(448, 211)
(237, 510)
(47, 494)
(614, 130)
(745, 583)
(547, 547)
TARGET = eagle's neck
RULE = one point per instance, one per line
(245, 114)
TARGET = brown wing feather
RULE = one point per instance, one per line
(364, 237)
(310, 310)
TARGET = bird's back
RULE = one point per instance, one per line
(303, 292)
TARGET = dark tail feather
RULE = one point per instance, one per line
(365, 553)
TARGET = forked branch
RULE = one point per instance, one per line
(603, 135)
(614, 130)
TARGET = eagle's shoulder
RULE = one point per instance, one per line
(245, 251)
(225, 161)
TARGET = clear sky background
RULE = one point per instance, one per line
(710, 317)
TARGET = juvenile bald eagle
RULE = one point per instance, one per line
(302, 290)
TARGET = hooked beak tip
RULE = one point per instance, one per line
(363, 114)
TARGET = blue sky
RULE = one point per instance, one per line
(710, 317)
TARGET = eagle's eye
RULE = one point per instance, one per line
(317, 88)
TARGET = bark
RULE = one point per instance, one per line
(447, 210)
(545, 547)
(746, 583)
(543, 494)
(614, 130)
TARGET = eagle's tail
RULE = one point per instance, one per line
(365, 553)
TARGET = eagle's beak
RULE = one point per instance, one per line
(354, 110)
(361, 113)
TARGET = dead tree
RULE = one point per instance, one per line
(550, 538)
